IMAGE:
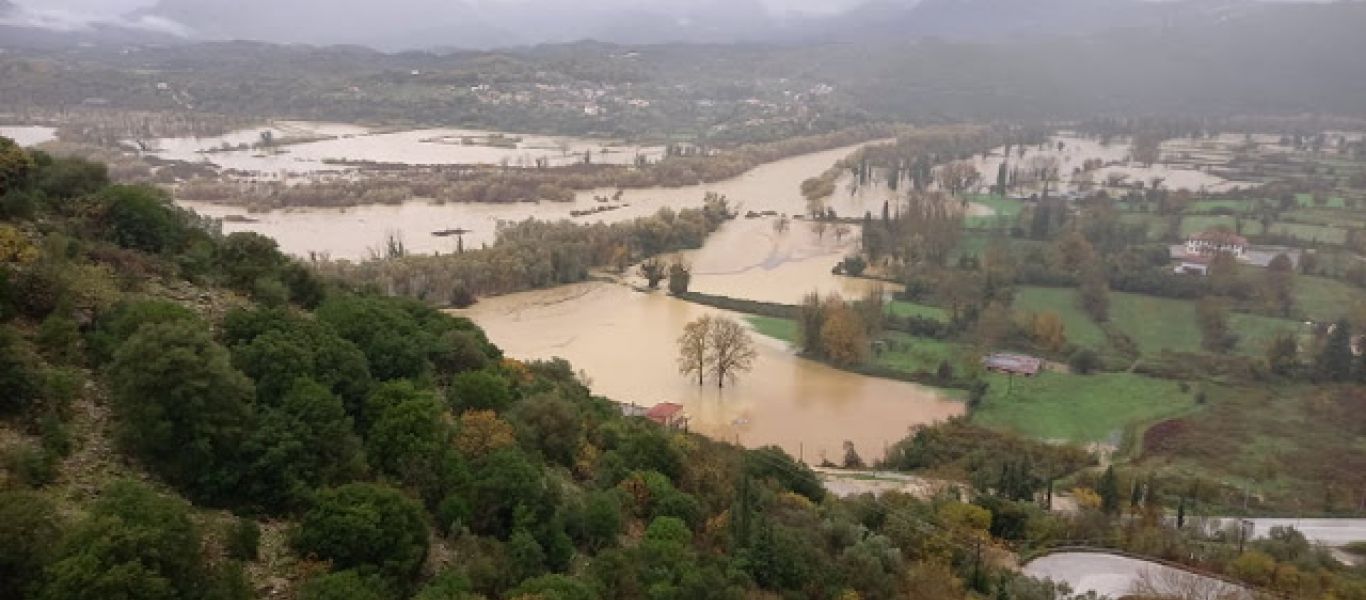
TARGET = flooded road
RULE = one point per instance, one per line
(350, 233)
(624, 341)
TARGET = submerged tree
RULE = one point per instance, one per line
(694, 348)
(654, 271)
(732, 350)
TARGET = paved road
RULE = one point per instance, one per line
(1329, 532)
(1115, 576)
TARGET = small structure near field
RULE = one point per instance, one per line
(668, 414)
(1013, 364)
(1216, 241)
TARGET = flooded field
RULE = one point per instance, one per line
(295, 148)
(624, 341)
(28, 135)
(1176, 171)
(351, 232)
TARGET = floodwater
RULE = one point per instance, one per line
(1115, 157)
(29, 135)
(350, 233)
(624, 341)
(324, 147)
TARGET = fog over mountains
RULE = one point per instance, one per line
(483, 24)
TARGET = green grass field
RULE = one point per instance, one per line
(1093, 408)
(1006, 211)
(903, 309)
(1208, 206)
(1158, 324)
(1156, 225)
(1323, 299)
(1081, 330)
(1307, 201)
(1051, 406)
(910, 354)
(1310, 233)
(1192, 224)
(783, 329)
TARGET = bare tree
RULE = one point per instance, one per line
(732, 350)
(694, 356)
(654, 271)
(841, 230)
(958, 177)
(819, 228)
(781, 225)
(1047, 169)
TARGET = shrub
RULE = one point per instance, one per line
(1084, 361)
(244, 539)
(365, 526)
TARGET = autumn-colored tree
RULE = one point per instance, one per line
(1048, 331)
(694, 348)
(1094, 296)
(844, 339)
(732, 350)
(1215, 334)
(15, 164)
(482, 432)
(1278, 285)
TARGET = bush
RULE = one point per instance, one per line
(244, 539)
(28, 527)
(134, 544)
(141, 218)
(182, 407)
(479, 390)
(369, 527)
(18, 381)
(345, 585)
(1084, 361)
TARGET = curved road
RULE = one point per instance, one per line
(1115, 576)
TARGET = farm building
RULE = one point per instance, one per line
(668, 414)
(1013, 364)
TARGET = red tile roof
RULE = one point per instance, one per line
(663, 411)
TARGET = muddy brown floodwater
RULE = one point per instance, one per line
(351, 232)
(623, 340)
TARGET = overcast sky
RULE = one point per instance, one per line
(115, 7)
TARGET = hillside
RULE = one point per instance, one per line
(192, 415)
